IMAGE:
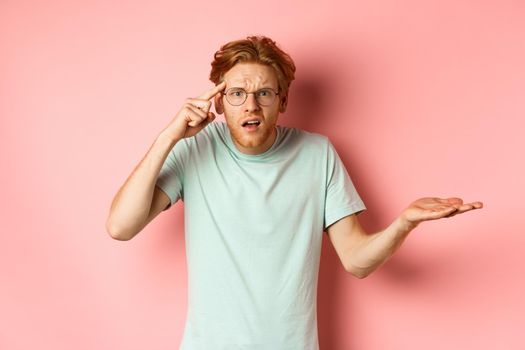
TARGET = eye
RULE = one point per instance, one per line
(236, 93)
(264, 92)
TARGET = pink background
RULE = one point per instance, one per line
(420, 98)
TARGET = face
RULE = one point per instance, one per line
(251, 139)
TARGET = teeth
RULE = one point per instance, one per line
(254, 122)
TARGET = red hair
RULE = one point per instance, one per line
(254, 49)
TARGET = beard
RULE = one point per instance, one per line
(252, 139)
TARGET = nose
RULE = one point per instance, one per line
(251, 103)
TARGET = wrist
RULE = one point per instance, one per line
(164, 136)
(404, 224)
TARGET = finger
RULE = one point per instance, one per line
(200, 104)
(477, 205)
(196, 122)
(208, 120)
(201, 123)
(441, 213)
(212, 92)
(458, 202)
(198, 111)
(193, 115)
(466, 207)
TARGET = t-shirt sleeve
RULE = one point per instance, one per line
(171, 175)
(342, 198)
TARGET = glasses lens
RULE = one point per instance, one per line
(265, 96)
(236, 96)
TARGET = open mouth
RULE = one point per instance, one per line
(251, 125)
(253, 122)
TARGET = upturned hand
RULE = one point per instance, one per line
(432, 208)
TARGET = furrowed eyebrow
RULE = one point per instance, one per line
(241, 88)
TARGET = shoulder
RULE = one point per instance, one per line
(306, 139)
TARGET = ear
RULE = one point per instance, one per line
(283, 102)
(219, 108)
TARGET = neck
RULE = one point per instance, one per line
(259, 149)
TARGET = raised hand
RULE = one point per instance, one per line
(432, 208)
(193, 116)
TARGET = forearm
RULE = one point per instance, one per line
(131, 205)
(375, 249)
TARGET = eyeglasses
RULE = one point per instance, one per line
(237, 96)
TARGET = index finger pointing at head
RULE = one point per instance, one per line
(212, 92)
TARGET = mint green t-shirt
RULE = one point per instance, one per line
(253, 231)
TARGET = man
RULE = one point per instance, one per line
(257, 198)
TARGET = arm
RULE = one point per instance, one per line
(139, 201)
(361, 253)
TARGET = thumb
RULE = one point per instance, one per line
(206, 121)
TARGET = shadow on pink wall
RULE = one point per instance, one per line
(314, 97)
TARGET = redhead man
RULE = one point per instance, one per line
(257, 198)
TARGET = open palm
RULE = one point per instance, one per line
(432, 208)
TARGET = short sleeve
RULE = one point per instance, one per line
(342, 198)
(171, 175)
